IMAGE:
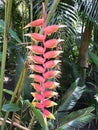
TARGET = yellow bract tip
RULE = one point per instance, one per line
(34, 103)
(51, 116)
(45, 120)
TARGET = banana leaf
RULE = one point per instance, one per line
(76, 119)
(70, 99)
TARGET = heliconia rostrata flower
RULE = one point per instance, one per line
(43, 62)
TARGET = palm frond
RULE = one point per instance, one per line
(37, 9)
(68, 17)
(90, 9)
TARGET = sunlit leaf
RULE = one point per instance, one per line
(13, 34)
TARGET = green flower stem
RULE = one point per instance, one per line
(8, 7)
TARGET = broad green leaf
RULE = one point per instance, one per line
(0, 56)
(70, 99)
(77, 119)
(1, 30)
(8, 91)
(14, 35)
(10, 108)
(93, 57)
(38, 115)
(1, 26)
(1, 23)
(70, 90)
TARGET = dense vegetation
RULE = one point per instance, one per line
(77, 100)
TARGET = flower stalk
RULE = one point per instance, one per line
(43, 61)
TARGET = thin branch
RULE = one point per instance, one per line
(14, 124)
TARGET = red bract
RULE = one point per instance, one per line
(51, 29)
(49, 94)
(51, 74)
(38, 96)
(48, 114)
(36, 36)
(38, 105)
(36, 59)
(37, 68)
(37, 78)
(51, 43)
(51, 84)
(43, 65)
(49, 103)
(51, 63)
(36, 49)
(38, 87)
(38, 22)
(52, 54)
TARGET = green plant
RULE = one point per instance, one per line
(67, 115)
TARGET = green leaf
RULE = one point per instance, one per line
(38, 115)
(8, 91)
(10, 108)
(14, 35)
(70, 99)
(0, 56)
(77, 119)
(1, 23)
(1, 26)
(93, 57)
(1, 30)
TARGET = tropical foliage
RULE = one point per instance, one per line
(77, 99)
